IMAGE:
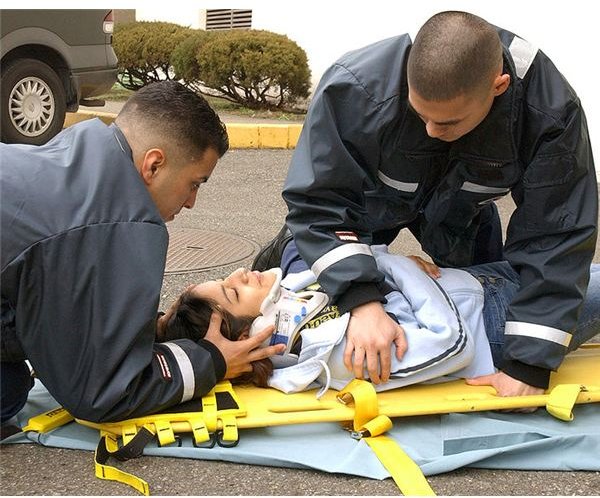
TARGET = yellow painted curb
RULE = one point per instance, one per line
(267, 136)
(76, 117)
(241, 135)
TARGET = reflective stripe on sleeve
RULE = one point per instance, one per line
(538, 332)
(483, 189)
(337, 254)
(402, 186)
(186, 369)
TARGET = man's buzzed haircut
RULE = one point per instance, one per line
(454, 53)
(167, 113)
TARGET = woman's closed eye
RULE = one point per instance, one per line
(231, 294)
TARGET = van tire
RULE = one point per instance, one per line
(33, 102)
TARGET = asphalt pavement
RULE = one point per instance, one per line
(243, 198)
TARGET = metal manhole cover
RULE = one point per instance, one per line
(195, 250)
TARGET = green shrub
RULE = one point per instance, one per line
(183, 58)
(258, 69)
(144, 51)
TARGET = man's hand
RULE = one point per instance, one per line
(505, 385)
(240, 354)
(369, 336)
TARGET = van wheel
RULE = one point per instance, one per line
(33, 102)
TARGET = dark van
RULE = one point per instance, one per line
(51, 61)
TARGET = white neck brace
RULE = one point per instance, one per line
(288, 311)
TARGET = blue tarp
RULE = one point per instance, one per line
(437, 443)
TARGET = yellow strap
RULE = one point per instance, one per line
(164, 432)
(199, 430)
(561, 400)
(230, 429)
(110, 473)
(377, 426)
(366, 407)
(128, 433)
(406, 474)
(110, 441)
(209, 410)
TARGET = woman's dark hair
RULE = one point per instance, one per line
(190, 320)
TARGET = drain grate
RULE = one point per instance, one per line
(193, 250)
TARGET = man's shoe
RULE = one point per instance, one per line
(270, 255)
(7, 430)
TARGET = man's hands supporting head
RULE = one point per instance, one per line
(240, 354)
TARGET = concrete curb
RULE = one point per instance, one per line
(241, 135)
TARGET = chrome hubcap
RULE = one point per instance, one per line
(31, 106)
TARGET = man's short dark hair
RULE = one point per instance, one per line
(174, 113)
(454, 53)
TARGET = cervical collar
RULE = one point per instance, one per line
(288, 311)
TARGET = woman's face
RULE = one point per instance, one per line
(240, 294)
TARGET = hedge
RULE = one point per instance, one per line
(255, 68)
(258, 69)
(183, 59)
(144, 51)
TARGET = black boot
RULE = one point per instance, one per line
(270, 255)
(7, 430)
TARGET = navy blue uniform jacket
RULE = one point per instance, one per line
(365, 163)
(83, 256)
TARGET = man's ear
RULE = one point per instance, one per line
(152, 161)
(501, 84)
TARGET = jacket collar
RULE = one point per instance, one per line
(493, 139)
(121, 140)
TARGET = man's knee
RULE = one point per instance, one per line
(588, 325)
(488, 241)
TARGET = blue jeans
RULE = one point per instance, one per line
(500, 284)
(291, 262)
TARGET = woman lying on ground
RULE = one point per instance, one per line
(445, 314)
